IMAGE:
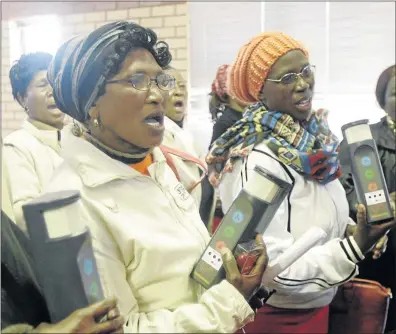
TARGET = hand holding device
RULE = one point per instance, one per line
(367, 235)
(85, 320)
(367, 173)
(247, 284)
(249, 215)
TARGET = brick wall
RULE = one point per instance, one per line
(167, 19)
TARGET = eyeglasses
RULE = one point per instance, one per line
(141, 81)
(306, 73)
(181, 84)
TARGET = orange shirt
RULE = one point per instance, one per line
(142, 166)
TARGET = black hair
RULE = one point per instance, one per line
(134, 36)
(217, 105)
(382, 85)
(23, 71)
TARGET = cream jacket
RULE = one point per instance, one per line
(6, 205)
(180, 139)
(31, 155)
(147, 236)
(313, 279)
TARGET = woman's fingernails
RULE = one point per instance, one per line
(114, 313)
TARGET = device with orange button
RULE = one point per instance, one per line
(62, 252)
(250, 213)
(367, 172)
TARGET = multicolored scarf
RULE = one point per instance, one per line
(308, 147)
(391, 124)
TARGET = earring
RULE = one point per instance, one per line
(95, 123)
(77, 129)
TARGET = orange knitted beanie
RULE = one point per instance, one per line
(254, 61)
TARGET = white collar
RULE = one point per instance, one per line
(49, 136)
(95, 167)
(171, 126)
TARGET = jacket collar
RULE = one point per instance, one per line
(44, 133)
(384, 135)
(94, 167)
(171, 127)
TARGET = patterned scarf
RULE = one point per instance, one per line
(391, 124)
(308, 147)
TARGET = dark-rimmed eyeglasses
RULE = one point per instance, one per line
(307, 72)
(141, 81)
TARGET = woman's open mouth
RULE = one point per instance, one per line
(155, 120)
(179, 107)
(305, 104)
(52, 107)
(54, 110)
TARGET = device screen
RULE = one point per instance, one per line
(369, 174)
(89, 273)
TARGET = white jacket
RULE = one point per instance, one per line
(147, 236)
(312, 280)
(6, 205)
(30, 156)
(180, 139)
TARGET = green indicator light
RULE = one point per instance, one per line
(229, 231)
(94, 288)
(369, 173)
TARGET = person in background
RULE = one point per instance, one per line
(32, 152)
(175, 133)
(177, 115)
(177, 137)
(225, 110)
(23, 308)
(281, 133)
(382, 270)
(178, 97)
(146, 230)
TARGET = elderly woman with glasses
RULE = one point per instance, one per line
(282, 133)
(146, 231)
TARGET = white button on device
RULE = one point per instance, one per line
(212, 258)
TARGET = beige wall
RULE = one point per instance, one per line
(168, 20)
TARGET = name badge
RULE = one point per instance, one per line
(182, 198)
(182, 192)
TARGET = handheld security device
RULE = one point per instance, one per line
(63, 254)
(367, 173)
(250, 213)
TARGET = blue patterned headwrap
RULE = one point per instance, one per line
(82, 65)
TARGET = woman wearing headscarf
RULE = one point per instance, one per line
(282, 133)
(146, 231)
(225, 109)
(382, 270)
